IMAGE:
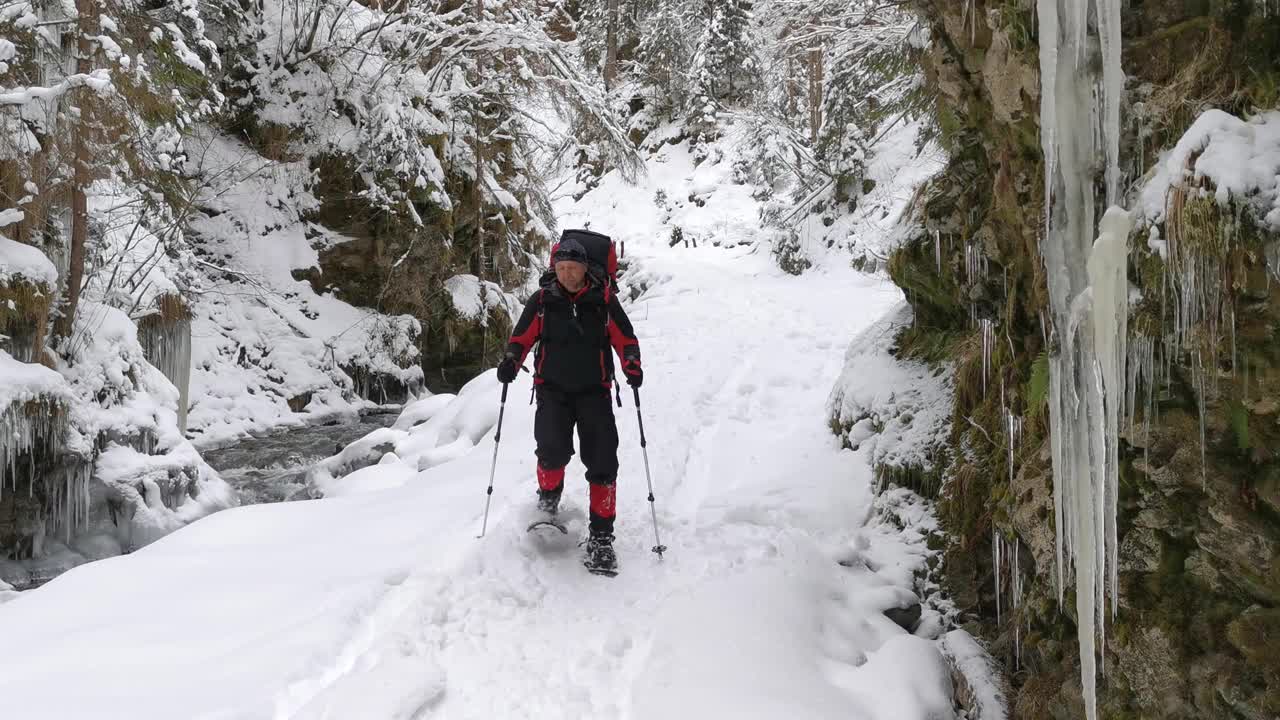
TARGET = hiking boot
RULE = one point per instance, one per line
(599, 557)
(549, 500)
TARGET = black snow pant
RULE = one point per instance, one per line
(592, 412)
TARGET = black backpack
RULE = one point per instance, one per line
(602, 256)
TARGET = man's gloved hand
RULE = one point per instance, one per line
(508, 369)
(634, 374)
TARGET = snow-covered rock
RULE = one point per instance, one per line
(24, 382)
(23, 261)
(900, 409)
(1239, 159)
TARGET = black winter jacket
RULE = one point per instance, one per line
(574, 333)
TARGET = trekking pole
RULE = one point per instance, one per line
(497, 438)
(644, 448)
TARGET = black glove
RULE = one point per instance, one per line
(631, 369)
(508, 369)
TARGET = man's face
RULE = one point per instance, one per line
(571, 274)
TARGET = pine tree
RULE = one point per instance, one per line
(608, 34)
(729, 69)
(664, 55)
(591, 31)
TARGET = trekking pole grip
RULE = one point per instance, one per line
(639, 418)
(502, 410)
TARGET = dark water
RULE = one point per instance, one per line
(273, 468)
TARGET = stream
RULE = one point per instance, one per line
(273, 468)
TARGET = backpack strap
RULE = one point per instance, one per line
(542, 314)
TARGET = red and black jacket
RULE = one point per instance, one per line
(574, 333)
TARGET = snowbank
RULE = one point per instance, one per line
(429, 432)
(267, 350)
(7, 592)
(979, 671)
(900, 409)
(119, 393)
(117, 472)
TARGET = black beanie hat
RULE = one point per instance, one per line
(570, 249)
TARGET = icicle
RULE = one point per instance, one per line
(167, 345)
(937, 249)
(1234, 358)
(26, 430)
(1013, 430)
(988, 344)
(1108, 268)
(995, 559)
(975, 267)
(1142, 380)
(1016, 580)
(1201, 389)
(1078, 128)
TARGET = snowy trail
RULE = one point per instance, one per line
(380, 603)
(755, 497)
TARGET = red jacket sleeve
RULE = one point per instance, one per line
(621, 334)
(528, 329)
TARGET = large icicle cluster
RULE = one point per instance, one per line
(1088, 293)
(25, 430)
(31, 399)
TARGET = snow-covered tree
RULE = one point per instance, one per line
(433, 105)
(607, 31)
(728, 67)
(664, 54)
(98, 102)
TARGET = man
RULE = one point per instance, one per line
(575, 317)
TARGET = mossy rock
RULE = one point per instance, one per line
(933, 292)
(24, 315)
(1159, 56)
(1256, 635)
(456, 349)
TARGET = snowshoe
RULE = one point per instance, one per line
(550, 522)
(599, 558)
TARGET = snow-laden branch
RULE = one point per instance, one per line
(99, 81)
